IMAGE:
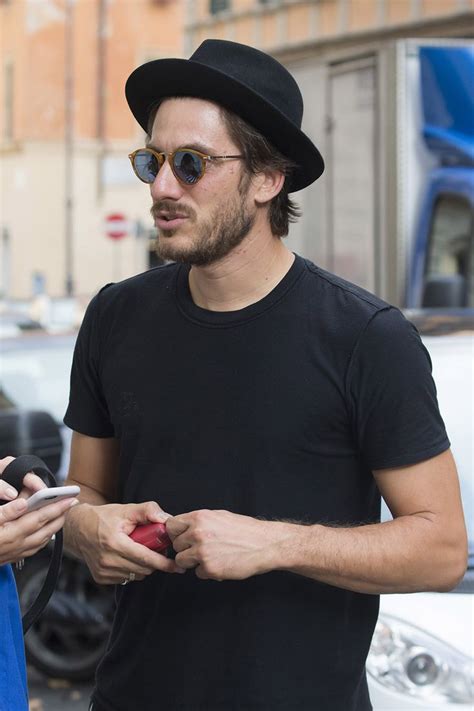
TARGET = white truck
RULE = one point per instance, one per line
(393, 212)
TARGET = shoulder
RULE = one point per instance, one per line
(344, 293)
(344, 310)
(158, 279)
(351, 318)
(118, 305)
(137, 292)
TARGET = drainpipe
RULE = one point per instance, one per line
(101, 89)
(69, 147)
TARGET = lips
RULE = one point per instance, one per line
(169, 221)
(170, 215)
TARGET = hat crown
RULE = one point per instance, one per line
(242, 79)
(257, 70)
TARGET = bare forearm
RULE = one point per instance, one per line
(404, 555)
(88, 497)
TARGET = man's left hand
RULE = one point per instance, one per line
(221, 545)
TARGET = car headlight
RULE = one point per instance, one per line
(408, 660)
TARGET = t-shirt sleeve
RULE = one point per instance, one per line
(392, 394)
(87, 411)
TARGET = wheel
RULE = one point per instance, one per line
(70, 637)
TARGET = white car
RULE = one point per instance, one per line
(34, 375)
(422, 653)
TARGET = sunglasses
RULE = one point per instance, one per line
(188, 165)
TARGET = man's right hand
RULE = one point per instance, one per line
(100, 535)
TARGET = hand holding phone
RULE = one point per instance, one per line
(50, 496)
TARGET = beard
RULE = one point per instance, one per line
(213, 238)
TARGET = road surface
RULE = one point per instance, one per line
(56, 694)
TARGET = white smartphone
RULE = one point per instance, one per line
(43, 497)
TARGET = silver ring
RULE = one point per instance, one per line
(130, 579)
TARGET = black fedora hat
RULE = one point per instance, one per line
(241, 78)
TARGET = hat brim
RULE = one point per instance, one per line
(184, 77)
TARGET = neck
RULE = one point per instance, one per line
(244, 276)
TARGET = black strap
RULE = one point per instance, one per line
(16, 471)
(14, 474)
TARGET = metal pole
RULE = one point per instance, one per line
(68, 147)
(101, 96)
(117, 260)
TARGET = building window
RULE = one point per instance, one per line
(216, 6)
(8, 102)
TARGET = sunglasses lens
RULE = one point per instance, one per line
(188, 167)
(146, 166)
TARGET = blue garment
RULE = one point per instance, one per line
(13, 687)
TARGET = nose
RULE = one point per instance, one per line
(165, 186)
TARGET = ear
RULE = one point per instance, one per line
(267, 184)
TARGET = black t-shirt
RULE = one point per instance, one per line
(279, 410)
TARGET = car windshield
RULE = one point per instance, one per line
(35, 371)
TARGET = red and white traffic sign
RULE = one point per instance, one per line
(116, 225)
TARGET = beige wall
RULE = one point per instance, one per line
(34, 39)
(32, 189)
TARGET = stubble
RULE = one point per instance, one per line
(213, 238)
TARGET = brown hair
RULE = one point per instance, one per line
(259, 155)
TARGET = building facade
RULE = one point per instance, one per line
(65, 128)
(65, 134)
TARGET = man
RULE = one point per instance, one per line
(257, 404)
